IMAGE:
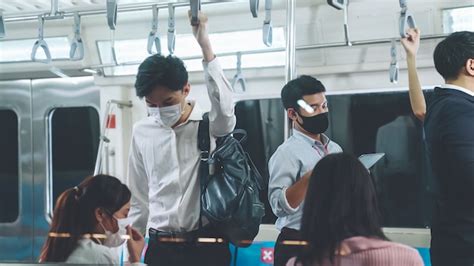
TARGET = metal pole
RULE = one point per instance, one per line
(365, 42)
(290, 65)
(122, 8)
(54, 7)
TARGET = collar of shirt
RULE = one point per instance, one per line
(325, 140)
(196, 113)
(458, 88)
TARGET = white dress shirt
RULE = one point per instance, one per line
(164, 162)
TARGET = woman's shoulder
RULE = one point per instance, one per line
(89, 252)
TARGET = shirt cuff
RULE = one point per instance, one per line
(284, 203)
(212, 66)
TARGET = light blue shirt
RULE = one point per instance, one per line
(294, 158)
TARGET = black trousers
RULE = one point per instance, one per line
(448, 250)
(284, 252)
(170, 253)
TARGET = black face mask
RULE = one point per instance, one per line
(315, 124)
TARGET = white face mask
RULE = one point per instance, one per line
(116, 239)
(168, 115)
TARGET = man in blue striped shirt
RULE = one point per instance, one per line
(291, 165)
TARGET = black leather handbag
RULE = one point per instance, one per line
(230, 186)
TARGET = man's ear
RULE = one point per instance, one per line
(186, 89)
(470, 66)
(291, 112)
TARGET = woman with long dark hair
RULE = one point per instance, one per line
(341, 224)
(88, 221)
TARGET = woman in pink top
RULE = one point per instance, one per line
(341, 220)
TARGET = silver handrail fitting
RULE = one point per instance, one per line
(76, 52)
(41, 43)
(254, 8)
(267, 24)
(195, 8)
(407, 21)
(394, 68)
(154, 37)
(239, 77)
(171, 29)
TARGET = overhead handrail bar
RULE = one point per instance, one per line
(154, 37)
(239, 77)
(76, 52)
(267, 24)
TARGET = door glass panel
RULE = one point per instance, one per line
(9, 171)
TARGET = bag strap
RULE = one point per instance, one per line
(204, 145)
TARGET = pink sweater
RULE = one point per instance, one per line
(362, 251)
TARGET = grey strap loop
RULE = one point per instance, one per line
(2, 26)
(171, 29)
(254, 7)
(239, 77)
(407, 21)
(195, 8)
(394, 68)
(153, 37)
(77, 46)
(346, 24)
(267, 24)
(344, 6)
(41, 43)
(112, 8)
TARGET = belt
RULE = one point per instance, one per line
(163, 236)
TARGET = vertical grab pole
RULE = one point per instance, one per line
(290, 71)
(98, 162)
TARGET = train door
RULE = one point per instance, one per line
(65, 135)
(16, 182)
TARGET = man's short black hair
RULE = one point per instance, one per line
(451, 54)
(297, 88)
(158, 70)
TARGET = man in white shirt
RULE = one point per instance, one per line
(164, 157)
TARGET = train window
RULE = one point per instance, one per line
(74, 139)
(223, 43)
(263, 121)
(9, 171)
(20, 50)
(458, 19)
(383, 122)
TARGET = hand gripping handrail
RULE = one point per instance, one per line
(41, 43)
(171, 29)
(239, 77)
(76, 52)
(195, 8)
(267, 24)
(153, 37)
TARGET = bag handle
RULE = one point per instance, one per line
(241, 132)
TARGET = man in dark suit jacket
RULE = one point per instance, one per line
(449, 129)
